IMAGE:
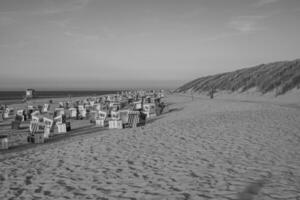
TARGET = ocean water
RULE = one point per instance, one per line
(19, 95)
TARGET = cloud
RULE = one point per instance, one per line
(264, 2)
(246, 24)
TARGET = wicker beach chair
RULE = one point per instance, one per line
(82, 111)
(102, 115)
(124, 116)
(48, 127)
(1, 116)
(59, 111)
(100, 120)
(58, 119)
(46, 108)
(3, 141)
(73, 112)
(35, 135)
(133, 119)
(115, 121)
(6, 113)
(115, 115)
(20, 113)
(137, 105)
(97, 106)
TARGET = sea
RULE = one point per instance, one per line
(20, 95)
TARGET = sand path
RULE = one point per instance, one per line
(205, 149)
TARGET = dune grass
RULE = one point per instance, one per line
(278, 76)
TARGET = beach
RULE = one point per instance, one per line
(201, 149)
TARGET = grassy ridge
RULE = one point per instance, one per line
(278, 76)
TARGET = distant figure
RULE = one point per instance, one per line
(211, 93)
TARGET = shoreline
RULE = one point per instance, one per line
(60, 94)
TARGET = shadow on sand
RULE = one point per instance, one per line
(175, 110)
(149, 121)
(59, 137)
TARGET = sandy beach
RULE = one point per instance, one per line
(201, 149)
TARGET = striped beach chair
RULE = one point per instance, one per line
(35, 135)
(133, 118)
(34, 127)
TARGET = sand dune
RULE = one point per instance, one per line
(201, 149)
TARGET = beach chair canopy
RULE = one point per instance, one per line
(20, 112)
(35, 113)
(102, 115)
(58, 119)
(48, 122)
(115, 115)
(81, 107)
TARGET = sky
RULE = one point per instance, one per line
(106, 44)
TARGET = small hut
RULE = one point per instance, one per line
(30, 93)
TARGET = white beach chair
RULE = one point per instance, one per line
(81, 107)
(59, 111)
(149, 109)
(82, 111)
(124, 116)
(102, 115)
(36, 135)
(73, 112)
(92, 103)
(100, 120)
(20, 113)
(48, 126)
(115, 124)
(115, 115)
(61, 104)
(115, 121)
(58, 119)
(97, 106)
(35, 114)
(137, 105)
(61, 127)
(6, 113)
(46, 107)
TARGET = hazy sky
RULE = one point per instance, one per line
(123, 43)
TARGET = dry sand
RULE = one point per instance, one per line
(201, 149)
